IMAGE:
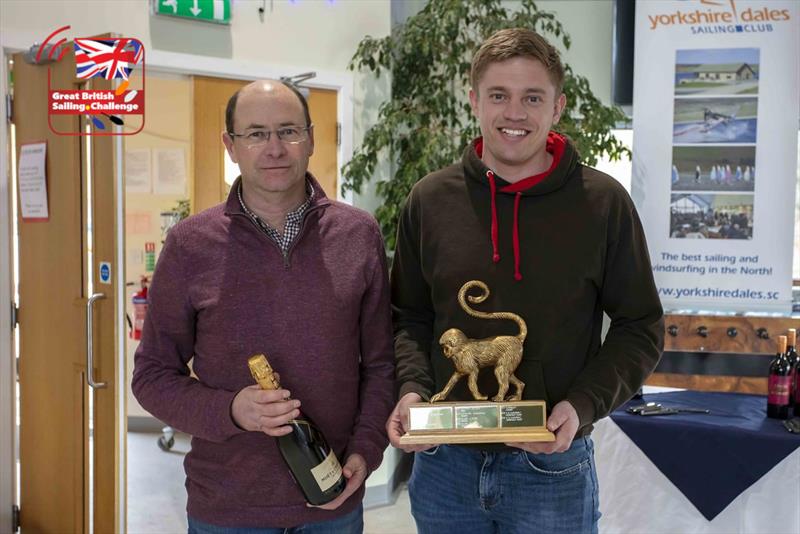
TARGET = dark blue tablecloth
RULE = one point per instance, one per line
(710, 458)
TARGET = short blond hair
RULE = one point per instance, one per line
(517, 42)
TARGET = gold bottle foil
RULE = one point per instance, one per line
(262, 372)
(781, 344)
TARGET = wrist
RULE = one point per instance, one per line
(413, 387)
(411, 397)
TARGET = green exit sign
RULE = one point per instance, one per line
(218, 11)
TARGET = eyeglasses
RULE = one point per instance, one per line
(287, 134)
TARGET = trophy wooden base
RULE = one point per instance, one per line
(476, 422)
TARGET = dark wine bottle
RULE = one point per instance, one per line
(794, 361)
(778, 384)
(797, 391)
(795, 379)
(310, 459)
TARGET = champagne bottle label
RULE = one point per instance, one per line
(328, 472)
(778, 390)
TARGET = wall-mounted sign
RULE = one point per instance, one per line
(33, 182)
(105, 272)
(218, 11)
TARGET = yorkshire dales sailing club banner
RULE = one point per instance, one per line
(715, 114)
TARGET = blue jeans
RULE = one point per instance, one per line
(461, 490)
(352, 523)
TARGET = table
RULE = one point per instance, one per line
(728, 472)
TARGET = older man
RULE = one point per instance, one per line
(278, 269)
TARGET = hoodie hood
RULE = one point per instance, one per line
(565, 159)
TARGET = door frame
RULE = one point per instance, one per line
(8, 371)
(13, 41)
(114, 404)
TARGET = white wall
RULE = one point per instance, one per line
(589, 24)
(294, 37)
(306, 35)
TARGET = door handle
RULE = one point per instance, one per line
(90, 341)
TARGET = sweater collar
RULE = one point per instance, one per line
(234, 207)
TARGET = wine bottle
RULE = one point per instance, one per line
(308, 456)
(795, 398)
(794, 361)
(797, 391)
(778, 383)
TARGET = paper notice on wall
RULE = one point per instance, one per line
(135, 256)
(138, 178)
(33, 182)
(138, 222)
(169, 170)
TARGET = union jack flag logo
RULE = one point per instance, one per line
(108, 58)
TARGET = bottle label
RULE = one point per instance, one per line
(778, 389)
(327, 473)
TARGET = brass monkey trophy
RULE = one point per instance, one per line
(504, 419)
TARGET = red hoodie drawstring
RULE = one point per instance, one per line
(556, 145)
(495, 253)
(517, 274)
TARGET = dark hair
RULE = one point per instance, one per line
(230, 109)
(517, 42)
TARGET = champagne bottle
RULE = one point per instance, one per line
(778, 384)
(310, 459)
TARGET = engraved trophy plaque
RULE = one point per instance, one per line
(503, 419)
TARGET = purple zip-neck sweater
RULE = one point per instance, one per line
(223, 291)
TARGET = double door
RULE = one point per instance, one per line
(70, 322)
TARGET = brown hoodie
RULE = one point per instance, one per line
(558, 249)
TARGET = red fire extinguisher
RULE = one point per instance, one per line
(139, 308)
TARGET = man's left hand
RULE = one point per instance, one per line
(355, 471)
(563, 421)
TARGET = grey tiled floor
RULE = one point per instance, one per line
(394, 519)
(157, 498)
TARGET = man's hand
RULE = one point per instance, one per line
(355, 471)
(397, 425)
(563, 421)
(265, 411)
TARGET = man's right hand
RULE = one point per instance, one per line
(265, 411)
(397, 425)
